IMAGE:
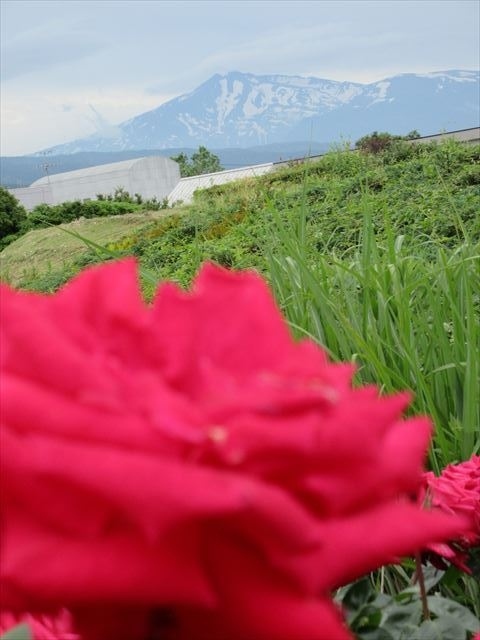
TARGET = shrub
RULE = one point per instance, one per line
(375, 142)
(12, 215)
(44, 215)
(380, 142)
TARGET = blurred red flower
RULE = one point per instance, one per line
(187, 466)
(456, 491)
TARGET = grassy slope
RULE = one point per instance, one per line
(428, 193)
(44, 250)
(430, 196)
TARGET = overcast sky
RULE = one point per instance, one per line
(72, 67)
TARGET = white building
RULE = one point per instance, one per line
(153, 176)
(187, 186)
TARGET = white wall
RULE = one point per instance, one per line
(29, 197)
(470, 136)
(187, 186)
(153, 176)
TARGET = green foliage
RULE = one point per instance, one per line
(122, 195)
(202, 161)
(12, 216)
(44, 215)
(408, 320)
(374, 615)
(41, 251)
(379, 142)
(417, 196)
(376, 142)
(184, 164)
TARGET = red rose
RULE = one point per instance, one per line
(456, 491)
(189, 466)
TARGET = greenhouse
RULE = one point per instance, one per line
(150, 177)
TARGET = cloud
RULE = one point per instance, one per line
(33, 120)
(102, 127)
(43, 47)
(308, 44)
(304, 50)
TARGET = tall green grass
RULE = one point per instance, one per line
(407, 321)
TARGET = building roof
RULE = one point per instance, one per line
(97, 170)
(187, 186)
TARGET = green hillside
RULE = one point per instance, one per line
(51, 253)
(428, 194)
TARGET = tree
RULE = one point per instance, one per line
(12, 214)
(183, 163)
(202, 161)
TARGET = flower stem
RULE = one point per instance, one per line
(421, 584)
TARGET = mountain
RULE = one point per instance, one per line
(430, 103)
(242, 110)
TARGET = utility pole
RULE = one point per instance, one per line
(46, 166)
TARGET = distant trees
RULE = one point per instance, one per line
(12, 214)
(122, 195)
(377, 142)
(202, 161)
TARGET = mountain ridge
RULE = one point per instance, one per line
(237, 109)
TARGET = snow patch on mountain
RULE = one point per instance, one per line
(382, 90)
(227, 100)
(348, 93)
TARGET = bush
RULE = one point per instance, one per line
(376, 142)
(44, 215)
(380, 142)
(121, 195)
(12, 215)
